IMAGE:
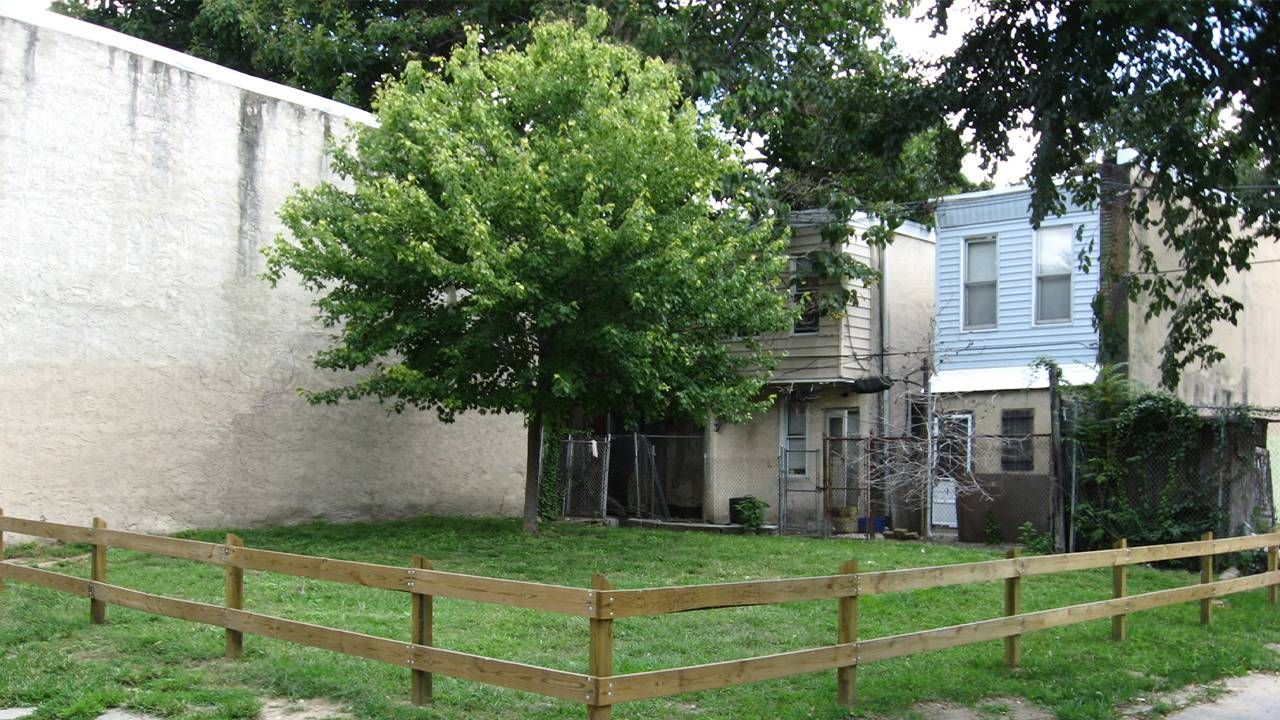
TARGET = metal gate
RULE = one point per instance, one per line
(800, 492)
(584, 465)
(849, 501)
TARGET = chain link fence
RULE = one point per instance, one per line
(983, 488)
(994, 489)
(1006, 491)
(632, 475)
(1171, 489)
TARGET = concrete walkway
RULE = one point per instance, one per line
(1252, 697)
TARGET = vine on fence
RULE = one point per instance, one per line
(1139, 471)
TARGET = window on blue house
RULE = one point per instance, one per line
(1054, 261)
(980, 283)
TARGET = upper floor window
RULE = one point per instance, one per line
(1053, 273)
(979, 283)
(804, 293)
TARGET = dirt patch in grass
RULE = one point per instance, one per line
(1161, 704)
(45, 564)
(312, 709)
(1003, 708)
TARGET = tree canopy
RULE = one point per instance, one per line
(537, 230)
(1186, 86)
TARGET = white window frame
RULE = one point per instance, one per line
(784, 436)
(964, 282)
(1035, 278)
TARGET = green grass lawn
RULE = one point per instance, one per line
(52, 658)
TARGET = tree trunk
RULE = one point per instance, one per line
(533, 473)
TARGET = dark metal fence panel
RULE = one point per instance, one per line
(584, 472)
(632, 475)
(800, 492)
(1009, 490)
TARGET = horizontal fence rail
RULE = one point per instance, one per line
(544, 681)
(602, 604)
(516, 593)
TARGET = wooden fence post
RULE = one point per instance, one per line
(601, 653)
(847, 632)
(1013, 606)
(1206, 576)
(423, 611)
(1273, 555)
(1120, 588)
(98, 571)
(234, 600)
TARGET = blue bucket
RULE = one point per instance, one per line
(879, 524)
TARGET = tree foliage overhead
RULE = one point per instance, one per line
(539, 230)
(1185, 85)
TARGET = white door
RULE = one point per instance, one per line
(953, 438)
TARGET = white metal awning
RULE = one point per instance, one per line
(1024, 377)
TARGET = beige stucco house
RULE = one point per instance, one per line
(840, 376)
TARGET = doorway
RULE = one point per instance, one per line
(953, 438)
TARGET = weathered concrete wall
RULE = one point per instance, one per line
(147, 373)
(1249, 373)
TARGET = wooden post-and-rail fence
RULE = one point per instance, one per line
(602, 605)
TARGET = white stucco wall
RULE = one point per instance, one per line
(147, 374)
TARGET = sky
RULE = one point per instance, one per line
(912, 36)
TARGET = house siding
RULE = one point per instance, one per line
(1016, 341)
(840, 347)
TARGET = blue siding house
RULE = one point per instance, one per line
(1009, 294)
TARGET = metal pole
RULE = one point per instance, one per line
(566, 454)
(782, 491)
(1075, 462)
(604, 478)
(635, 453)
(931, 438)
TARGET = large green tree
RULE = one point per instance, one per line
(1186, 85)
(536, 230)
